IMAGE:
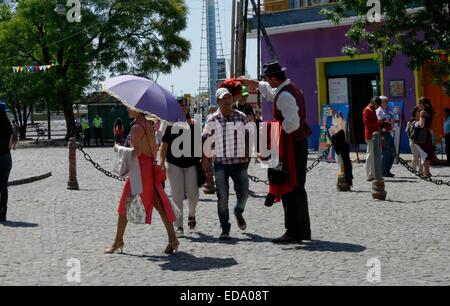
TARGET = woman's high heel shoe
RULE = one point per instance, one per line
(117, 246)
(172, 247)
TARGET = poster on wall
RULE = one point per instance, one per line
(338, 90)
(334, 118)
(395, 111)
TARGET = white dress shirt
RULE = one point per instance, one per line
(286, 104)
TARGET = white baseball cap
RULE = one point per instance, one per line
(222, 92)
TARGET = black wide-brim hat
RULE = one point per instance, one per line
(272, 67)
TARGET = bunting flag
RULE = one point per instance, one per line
(33, 69)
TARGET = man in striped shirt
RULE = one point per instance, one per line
(226, 129)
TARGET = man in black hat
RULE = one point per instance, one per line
(290, 112)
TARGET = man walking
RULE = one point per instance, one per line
(290, 113)
(388, 152)
(231, 159)
(371, 125)
(98, 130)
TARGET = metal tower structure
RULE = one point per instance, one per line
(211, 49)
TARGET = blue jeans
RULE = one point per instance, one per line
(388, 153)
(239, 174)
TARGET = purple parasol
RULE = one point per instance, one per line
(146, 96)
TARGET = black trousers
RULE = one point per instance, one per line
(5, 169)
(447, 147)
(98, 136)
(295, 204)
(87, 137)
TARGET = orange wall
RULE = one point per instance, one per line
(439, 99)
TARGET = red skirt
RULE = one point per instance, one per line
(148, 196)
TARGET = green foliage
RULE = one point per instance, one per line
(415, 28)
(140, 37)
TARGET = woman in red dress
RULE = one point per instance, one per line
(144, 145)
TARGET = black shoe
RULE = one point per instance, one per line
(285, 239)
(241, 222)
(2, 215)
(389, 175)
(370, 179)
(270, 200)
(225, 235)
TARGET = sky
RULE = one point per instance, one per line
(186, 79)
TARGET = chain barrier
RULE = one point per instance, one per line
(97, 166)
(254, 179)
(418, 174)
(322, 157)
(309, 169)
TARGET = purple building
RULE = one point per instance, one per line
(310, 47)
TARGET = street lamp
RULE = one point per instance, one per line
(60, 8)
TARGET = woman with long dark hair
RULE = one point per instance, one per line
(426, 120)
(5, 160)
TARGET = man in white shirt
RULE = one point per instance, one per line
(388, 152)
(290, 112)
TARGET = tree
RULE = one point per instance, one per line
(119, 36)
(21, 92)
(419, 29)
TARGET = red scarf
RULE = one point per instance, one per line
(287, 155)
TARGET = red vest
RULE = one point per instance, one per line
(287, 143)
(304, 131)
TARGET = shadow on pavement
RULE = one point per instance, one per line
(207, 200)
(182, 261)
(17, 224)
(203, 238)
(327, 246)
(418, 201)
(401, 181)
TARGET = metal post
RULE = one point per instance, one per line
(49, 121)
(233, 40)
(378, 185)
(244, 37)
(239, 38)
(258, 56)
(72, 184)
(212, 51)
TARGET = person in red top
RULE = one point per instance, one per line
(118, 132)
(371, 124)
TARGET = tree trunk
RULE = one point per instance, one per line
(69, 117)
(22, 132)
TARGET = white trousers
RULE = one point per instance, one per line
(183, 184)
(419, 156)
(370, 160)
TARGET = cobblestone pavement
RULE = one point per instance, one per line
(408, 234)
